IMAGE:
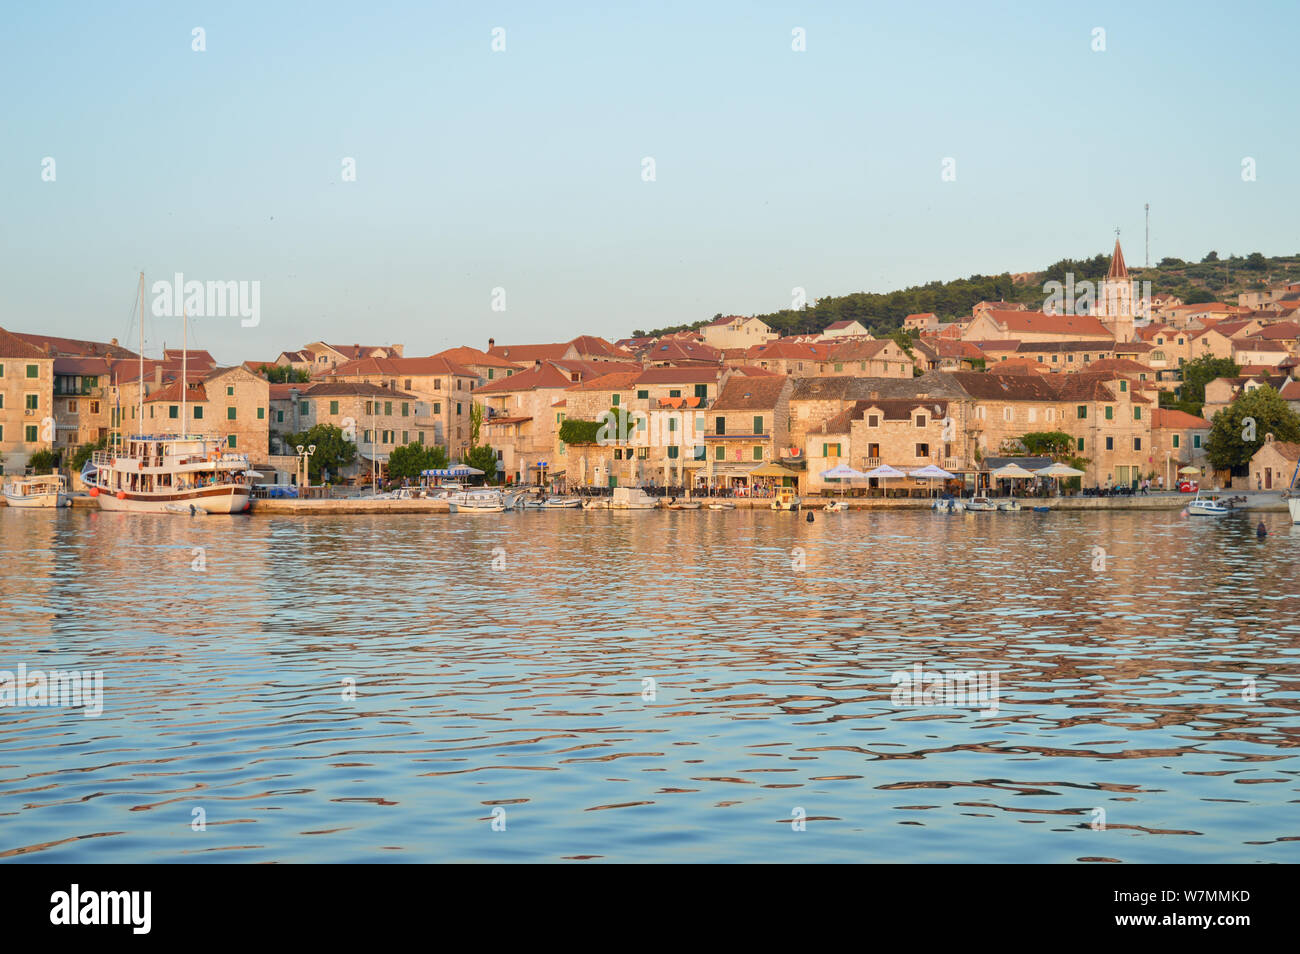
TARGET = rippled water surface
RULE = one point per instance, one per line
(1125, 685)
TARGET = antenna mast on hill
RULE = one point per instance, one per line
(1147, 208)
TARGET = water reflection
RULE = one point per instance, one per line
(517, 697)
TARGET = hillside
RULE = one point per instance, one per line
(1211, 279)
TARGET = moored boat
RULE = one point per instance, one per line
(1011, 505)
(786, 499)
(45, 490)
(981, 504)
(1207, 506)
(476, 501)
(632, 498)
(149, 474)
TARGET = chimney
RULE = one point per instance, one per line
(492, 342)
(875, 395)
(113, 342)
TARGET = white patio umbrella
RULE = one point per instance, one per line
(929, 472)
(841, 472)
(1011, 472)
(884, 471)
(1056, 471)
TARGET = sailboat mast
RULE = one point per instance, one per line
(140, 388)
(185, 354)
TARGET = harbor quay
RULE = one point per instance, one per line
(1262, 502)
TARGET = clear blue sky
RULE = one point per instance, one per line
(522, 169)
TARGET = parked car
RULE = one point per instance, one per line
(1188, 487)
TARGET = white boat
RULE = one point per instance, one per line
(149, 474)
(786, 499)
(1293, 504)
(722, 505)
(152, 474)
(835, 506)
(949, 505)
(981, 504)
(632, 498)
(46, 490)
(477, 501)
(553, 503)
(684, 505)
(1010, 505)
(1208, 506)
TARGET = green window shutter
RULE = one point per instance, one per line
(1080, 444)
(1175, 442)
(231, 439)
(758, 424)
(1110, 413)
(261, 413)
(198, 413)
(758, 453)
(642, 395)
(719, 453)
(230, 414)
(334, 407)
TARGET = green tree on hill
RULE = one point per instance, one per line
(1200, 372)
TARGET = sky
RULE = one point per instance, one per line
(505, 193)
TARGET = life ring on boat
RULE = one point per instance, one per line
(121, 495)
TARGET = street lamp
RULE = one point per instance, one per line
(303, 454)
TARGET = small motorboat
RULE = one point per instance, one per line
(835, 506)
(1011, 505)
(47, 490)
(676, 504)
(786, 499)
(1042, 510)
(948, 504)
(981, 505)
(631, 498)
(477, 501)
(1207, 506)
(722, 505)
(561, 503)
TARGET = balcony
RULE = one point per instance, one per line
(871, 462)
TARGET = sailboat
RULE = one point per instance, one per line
(173, 473)
(1292, 501)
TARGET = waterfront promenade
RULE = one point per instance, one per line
(1265, 502)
